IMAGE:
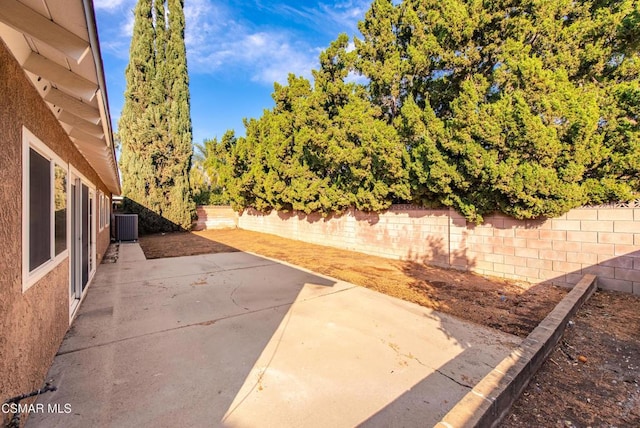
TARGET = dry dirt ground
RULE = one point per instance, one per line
(591, 379)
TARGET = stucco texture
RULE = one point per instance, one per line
(33, 323)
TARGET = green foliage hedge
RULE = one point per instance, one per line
(525, 108)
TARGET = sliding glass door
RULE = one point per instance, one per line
(82, 264)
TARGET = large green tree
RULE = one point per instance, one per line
(528, 108)
(137, 112)
(155, 125)
(321, 148)
(209, 169)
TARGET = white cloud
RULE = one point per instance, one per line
(204, 20)
(347, 14)
(109, 4)
(115, 22)
(329, 17)
(266, 56)
(219, 42)
(126, 29)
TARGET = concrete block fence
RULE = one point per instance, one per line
(215, 217)
(603, 241)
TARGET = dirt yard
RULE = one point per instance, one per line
(591, 379)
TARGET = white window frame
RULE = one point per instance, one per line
(93, 189)
(107, 211)
(100, 210)
(30, 141)
(93, 229)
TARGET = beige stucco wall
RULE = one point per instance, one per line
(102, 242)
(33, 323)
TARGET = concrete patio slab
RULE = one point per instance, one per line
(241, 341)
(131, 252)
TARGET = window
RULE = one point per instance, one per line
(107, 211)
(39, 209)
(60, 209)
(45, 217)
(103, 211)
(100, 210)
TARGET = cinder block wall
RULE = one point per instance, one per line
(602, 241)
(414, 234)
(215, 217)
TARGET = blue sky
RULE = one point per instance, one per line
(236, 49)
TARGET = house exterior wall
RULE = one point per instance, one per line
(103, 239)
(33, 322)
(603, 241)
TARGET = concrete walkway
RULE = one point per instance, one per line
(242, 341)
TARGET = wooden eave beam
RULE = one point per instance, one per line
(93, 153)
(94, 158)
(28, 21)
(87, 140)
(44, 67)
(106, 124)
(88, 148)
(81, 124)
(73, 105)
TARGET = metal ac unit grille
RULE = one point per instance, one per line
(126, 227)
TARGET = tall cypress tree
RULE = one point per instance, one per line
(155, 126)
(136, 167)
(179, 119)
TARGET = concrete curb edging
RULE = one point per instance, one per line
(490, 400)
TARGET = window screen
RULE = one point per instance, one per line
(39, 209)
(60, 207)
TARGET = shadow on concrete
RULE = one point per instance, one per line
(473, 297)
(458, 245)
(408, 367)
(432, 392)
(414, 397)
(230, 339)
(170, 342)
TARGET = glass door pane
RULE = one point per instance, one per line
(86, 233)
(74, 244)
